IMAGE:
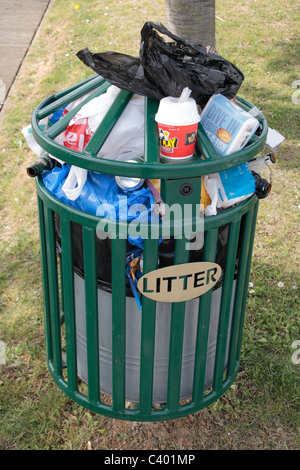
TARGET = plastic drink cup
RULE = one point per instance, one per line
(177, 121)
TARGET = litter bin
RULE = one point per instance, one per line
(171, 358)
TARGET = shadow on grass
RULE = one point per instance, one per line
(287, 57)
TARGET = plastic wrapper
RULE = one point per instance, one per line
(125, 139)
(166, 68)
(30, 140)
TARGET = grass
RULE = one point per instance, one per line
(261, 409)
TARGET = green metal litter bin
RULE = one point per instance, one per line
(171, 358)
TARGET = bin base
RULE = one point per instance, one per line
(133, 339)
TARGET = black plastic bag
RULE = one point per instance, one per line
(165, 68)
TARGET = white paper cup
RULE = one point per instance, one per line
(177, 124)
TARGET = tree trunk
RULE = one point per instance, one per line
(193, 20)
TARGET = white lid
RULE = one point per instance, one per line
(172, 111)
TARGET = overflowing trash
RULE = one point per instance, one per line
(166, 68)
(192, 85)
(127, 136)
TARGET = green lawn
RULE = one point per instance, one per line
(261, 409)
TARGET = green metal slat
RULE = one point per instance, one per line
(151, 135)
(204, 146)
(140, 414)
(62, 124)
(66, 97)
(245, 293)
(90, 220)
(108, 122)
(176, 335)
(153, 169)
(209, 254)
(245, 235)
(96, 79)
(118, 268)
(91, 306)
(67, 268)
(53, 288)
(62, 292)
(148, 331)
(231, 251)
(45, 279)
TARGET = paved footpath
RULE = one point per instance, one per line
(19, 20)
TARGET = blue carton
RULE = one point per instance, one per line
(228, 126)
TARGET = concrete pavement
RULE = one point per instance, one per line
(19, 21)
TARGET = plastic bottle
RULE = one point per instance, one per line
(44, 162)
(262, 186)
(258, 164)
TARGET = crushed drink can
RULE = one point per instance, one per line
(128, 183)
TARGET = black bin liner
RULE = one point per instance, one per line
(103, 252)
(166, 68)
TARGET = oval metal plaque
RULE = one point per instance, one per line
(180, 282)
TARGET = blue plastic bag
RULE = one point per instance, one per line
(102, 196)
(55, 116)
